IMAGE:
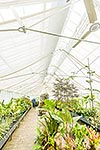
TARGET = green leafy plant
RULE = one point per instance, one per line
(11, 112)
(53, 123)
(94, 138)
(59, 131)
(78, 107)
(80, 132)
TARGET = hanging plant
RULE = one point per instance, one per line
(64, 89)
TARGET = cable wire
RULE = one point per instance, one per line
(23, 30)
(27, 65)
(62, 36)
(79, 62)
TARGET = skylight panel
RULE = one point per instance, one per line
(6, 14)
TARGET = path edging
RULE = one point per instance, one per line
(10, 132)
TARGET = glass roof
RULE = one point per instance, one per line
(42, 40)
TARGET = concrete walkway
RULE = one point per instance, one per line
(23, 138)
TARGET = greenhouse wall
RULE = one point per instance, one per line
(7, 95)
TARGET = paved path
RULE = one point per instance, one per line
(23, 138)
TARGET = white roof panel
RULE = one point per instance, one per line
(30, 62)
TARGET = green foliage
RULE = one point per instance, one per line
(37, 147)
(94, 138)
(49, 105)
(74, 105)
(80, 133)
(59, 131)
(78, 105)
(44, 96)
(11, 112)
(53, 122)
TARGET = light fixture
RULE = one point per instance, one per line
(94, 27)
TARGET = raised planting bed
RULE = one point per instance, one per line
(9, 133)
(59, 129)
(89, 124)
(85, 121)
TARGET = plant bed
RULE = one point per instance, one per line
(85, 121)
(89, 124)
(10, 116)
(10, 132)
(58, 130)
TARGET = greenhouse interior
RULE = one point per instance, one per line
(49, 75)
